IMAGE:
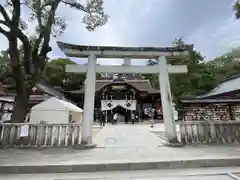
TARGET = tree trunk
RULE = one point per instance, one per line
(21, 98)
(20, 108)
(22, 86)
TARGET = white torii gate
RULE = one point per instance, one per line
(94, 52)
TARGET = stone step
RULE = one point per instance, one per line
(126, 166)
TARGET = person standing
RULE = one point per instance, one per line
(115, 118)
(137, 117)
(133, 118)
(151, 113)
(102, 119)
(126, 118)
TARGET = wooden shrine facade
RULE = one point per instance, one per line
(125, 93)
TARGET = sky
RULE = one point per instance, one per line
(208, 24)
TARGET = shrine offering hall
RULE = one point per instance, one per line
(123, 97)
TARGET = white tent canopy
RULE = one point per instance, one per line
(55, 110)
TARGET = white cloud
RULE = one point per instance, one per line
(217, 38)
(153, 23)
(117, 32)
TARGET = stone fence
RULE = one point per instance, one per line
(210, 132)
(39, 135)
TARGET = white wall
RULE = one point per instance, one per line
(49, 117)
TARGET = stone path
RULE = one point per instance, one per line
(118, 144)
(127, 135)
(159, 131)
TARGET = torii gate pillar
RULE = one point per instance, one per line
(166, 99)
(89, 98)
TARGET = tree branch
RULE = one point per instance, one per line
(47, 31)
(38, 11)
(38, 15)
(4, 14)
(4, 23)
(16, 32)
(27, 61)
(75, 5)
(50, 3)
(37, 44)
(16, 13)
(4, 32)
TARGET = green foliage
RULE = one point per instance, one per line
(5, 70)
(95, 15)
(224, 67)
(55, 75)
(41, 10)
(198, 80)
(201, 77)
(236, 9)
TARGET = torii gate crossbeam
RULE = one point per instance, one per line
(176, 69)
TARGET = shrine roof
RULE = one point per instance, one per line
(226, 86)
(196, 101)
(140, 85)
(46, 88)
(73, 50)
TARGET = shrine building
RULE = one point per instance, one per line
(121, 96)
(221, 103)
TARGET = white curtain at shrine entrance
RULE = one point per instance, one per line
(111, 104)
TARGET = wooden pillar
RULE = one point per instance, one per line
(2, 110)
(231, 114)
(106, 115)
(141, 111)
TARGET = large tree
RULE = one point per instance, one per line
(199, 78)
(224, 67)
(27, 65)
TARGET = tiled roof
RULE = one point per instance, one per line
(209, 100)
(140, 85)
(229, 85)
(43, 87)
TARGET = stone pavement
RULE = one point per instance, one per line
(120, 147)
(159, 129)
(127, 136)
(228, 173)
